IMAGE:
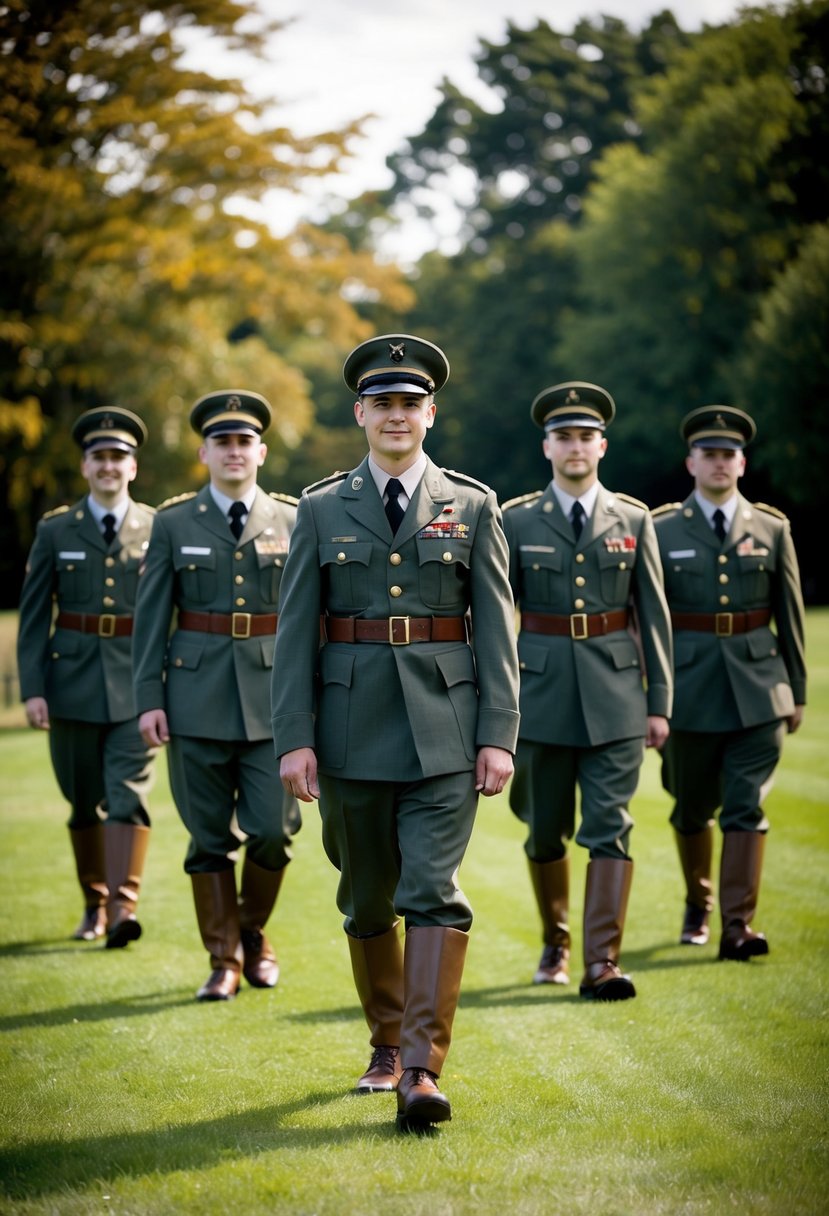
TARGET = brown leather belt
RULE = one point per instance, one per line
(724, 624)
(107, 625)
(396, 630)
(579, 626)
(239, 625)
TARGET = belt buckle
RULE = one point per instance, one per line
(578, 626)
(407, 639)
(724, 624)
(238, 630)
(106, 625)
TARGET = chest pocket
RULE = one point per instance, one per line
(271, 566)
(755, 578)
(345, 568)
(197, 575)
(615, 570)
(541, 582)
(444, 573)
(684, 579)
(74, 579)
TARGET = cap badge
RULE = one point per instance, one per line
(719, 421)
(233, 403)
(107, 422)
(573, 398)
(396, 351)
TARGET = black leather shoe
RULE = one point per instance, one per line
(605, 982)
(419, 1101)
(740, 943)
(122, 933)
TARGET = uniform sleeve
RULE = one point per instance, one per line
(493, 633)
(153, 610)
(787, 606)
(293, 680)
(512, 545)
(654, 623)
(36, 608)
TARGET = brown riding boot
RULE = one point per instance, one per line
(433, 960)
(551, 884)
(695, 853)
(377, 965)
(125, 845)
(88, 848)
(217, 911)
(740, 867)
(257, 896)
(605, 906)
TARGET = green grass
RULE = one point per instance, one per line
(707, 1094)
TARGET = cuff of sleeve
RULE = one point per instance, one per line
(660, 701)
(291, 731)
(497, 728)
(149, 696)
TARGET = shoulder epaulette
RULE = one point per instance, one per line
(289, 498)
(764, 506)
(175, 500)
(522, 500)
(666, 506)
(466, 479)
(326, 481)
(55, 511)
(634, 502)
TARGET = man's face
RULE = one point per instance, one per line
(108, 472)
(575, 452)
(395, 425)
(232, 461)
(715, 471)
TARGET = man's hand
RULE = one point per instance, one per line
(298, 771)
(154, 729)
(658, 731)
(792, 722)
(492, 770)
(37, 713)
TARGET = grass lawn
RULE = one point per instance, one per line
(707, 1094)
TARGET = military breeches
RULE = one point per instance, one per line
(732, 770)
(222, 786)
(398, 847)
(104, 770)
(543, 795)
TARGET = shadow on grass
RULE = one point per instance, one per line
(97, 1011)
(46, 1166)
(47, 945)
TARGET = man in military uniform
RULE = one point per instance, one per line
(582, 562)
(76, 670)
(216, 557)
(730, 569)
(404, 716)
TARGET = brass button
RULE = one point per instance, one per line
(723, 578)
(722, 559)
(191, 566)
(240, 601)
(109, 582)
(395, 591)
(522, 666)
(580, 580)
(109, 602)
(277, 561)
(688, 512)
(724, 599)
(623, 565)
(579, 558)
(761, 567)
(202, 507)
(55, 654)
(547, 508)
(178, 663)
(341, 556)
(578, 603)
(536, 566)
(109, 561)
(395, 559)
(71, 566)
(447, 557)
(240, 578)
(79, 515)
(238, 555)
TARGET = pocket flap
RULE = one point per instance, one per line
(336, 667)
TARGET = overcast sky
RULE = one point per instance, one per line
(341, 59)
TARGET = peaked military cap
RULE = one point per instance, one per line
(230, 411)
(717, 426)
(109, 427)
(396, 363)
(574, 403)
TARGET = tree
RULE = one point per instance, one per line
(131, 264)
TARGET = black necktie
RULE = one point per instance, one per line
(719, 524)
(394, 511)
(577, 518)
(109, 528)
(237, 524)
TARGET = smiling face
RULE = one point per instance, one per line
(716, 471)
(233, 461)
(108, 473)
(395, 425)
(574, 453)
